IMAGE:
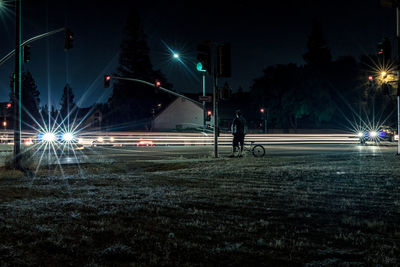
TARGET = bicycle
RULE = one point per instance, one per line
(256, 150)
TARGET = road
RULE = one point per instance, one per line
(168, 146)
(131, 154)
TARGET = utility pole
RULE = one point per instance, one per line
(398, 78)
(17, 88)
(204, 102)
(215, 100)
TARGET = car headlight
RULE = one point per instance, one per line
(373, 134)
(100, 139)
(68, 137)
(360, 134)
(48, 137)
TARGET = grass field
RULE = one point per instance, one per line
(290, 210)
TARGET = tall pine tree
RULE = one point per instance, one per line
(30, 115)
(67, 104)
(318, 52)
(132, 102)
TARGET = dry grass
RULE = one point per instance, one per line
(304, 210)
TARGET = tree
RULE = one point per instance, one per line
(30, 116)
(67, 104)
(133, 101)
(318, 52)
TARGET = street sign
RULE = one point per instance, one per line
(206, 98)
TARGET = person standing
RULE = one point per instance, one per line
(238, 129)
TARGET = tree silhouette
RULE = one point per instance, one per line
(318, 52)
(132, 101)
(67, 104)
(30, 116)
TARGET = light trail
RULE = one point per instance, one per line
(193, 139)
(88, 139)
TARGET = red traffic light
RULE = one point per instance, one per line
(8, 105)
(370, 78)
(262, 110)
(157, 83)
(107, 80)
(209, 113)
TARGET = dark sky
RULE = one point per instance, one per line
(260, 34)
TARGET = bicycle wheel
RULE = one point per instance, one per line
(258, 151)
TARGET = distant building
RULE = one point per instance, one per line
(180, 114)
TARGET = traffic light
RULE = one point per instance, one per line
(157, 84)
(8, 105)
(224, 60)
(204, 57)
(69, 39)
(209, 113)
(107, 80)
(27, 53)
(262, 112)
(384, 50)
(371, 82)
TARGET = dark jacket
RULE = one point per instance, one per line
(239, 126)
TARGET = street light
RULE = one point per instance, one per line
(176, 55)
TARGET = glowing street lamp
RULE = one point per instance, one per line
(176, 55)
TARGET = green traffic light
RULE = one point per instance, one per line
(199, 66)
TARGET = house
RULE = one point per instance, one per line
(180, 114)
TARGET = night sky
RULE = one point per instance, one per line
(261, 35)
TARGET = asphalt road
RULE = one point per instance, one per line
(118, 154)
(108, 153)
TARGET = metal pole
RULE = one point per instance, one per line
(17, 87)
(215, 100)
(204, 103)
(159, 88)
(265, 125)
(38, 37)
(398, 80)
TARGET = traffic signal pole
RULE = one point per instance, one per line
(17, 88)
(38, 37)
(215, 100)
(398, 79)
(153, 85)
(204, 102)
